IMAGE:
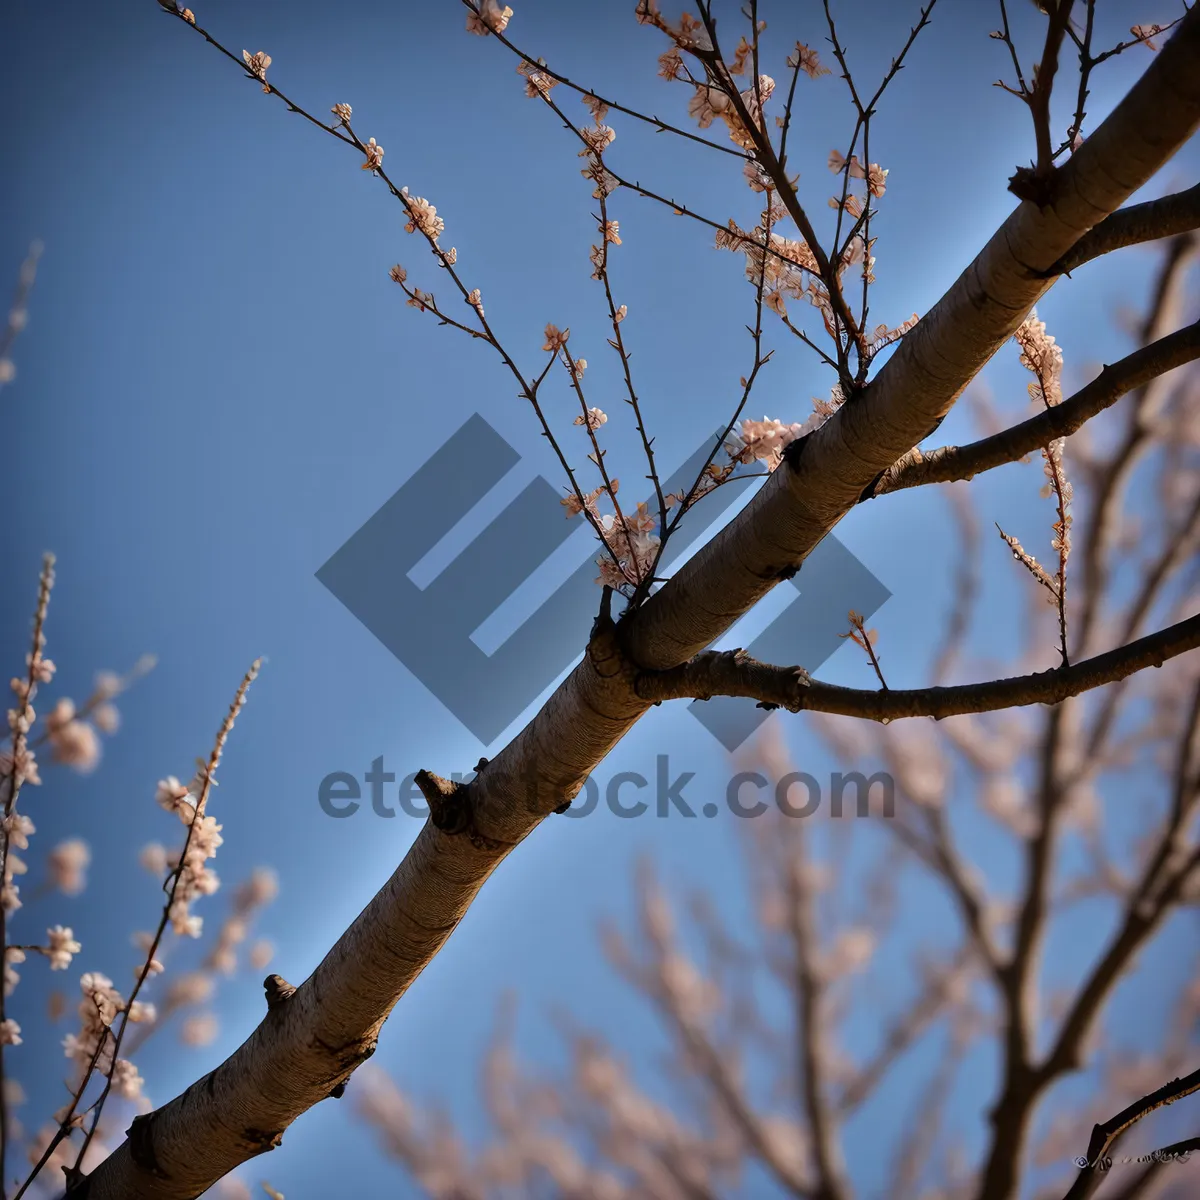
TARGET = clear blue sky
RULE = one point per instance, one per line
(219, 384)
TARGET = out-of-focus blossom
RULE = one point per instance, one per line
(61, 947)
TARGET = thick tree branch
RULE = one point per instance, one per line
(734, 673)
(1162, 218)
(948, 463)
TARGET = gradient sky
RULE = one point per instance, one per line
(219, 384)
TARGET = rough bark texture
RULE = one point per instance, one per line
(312, 1041)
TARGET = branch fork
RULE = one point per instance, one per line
(727, 673)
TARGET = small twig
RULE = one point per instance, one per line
(866, 639)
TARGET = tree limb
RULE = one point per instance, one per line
(949, 463)
(1162, 218)
(734, 673)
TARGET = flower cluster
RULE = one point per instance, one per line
(93, 1046)
(16, 828)
(805, 58)
(421, 300)
(537, 82)
(670, 65)
(593, 419)
(610, 235)
(257, 65)
(597, 138)
(787, 267)
(422, 216)
(709, 103)
(763, 440)
(1146, 33)
(873, 173)
(67, 866)
(74, 742)
(1042, 355)
(488, 17)
(757, 177)
(691, 34)
(195, 879)
(881, 336)
(374, 154)
(173, 6)
(61, 947)
(18, 765)
(633, 544)
(630, 538)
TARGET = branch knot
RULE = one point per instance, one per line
(450, 809)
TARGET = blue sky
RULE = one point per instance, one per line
(219, 384)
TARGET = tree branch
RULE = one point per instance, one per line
(1148, 222)
(948, 463)
(735, 673)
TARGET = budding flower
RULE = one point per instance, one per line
(374, 156)
(257, 65)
